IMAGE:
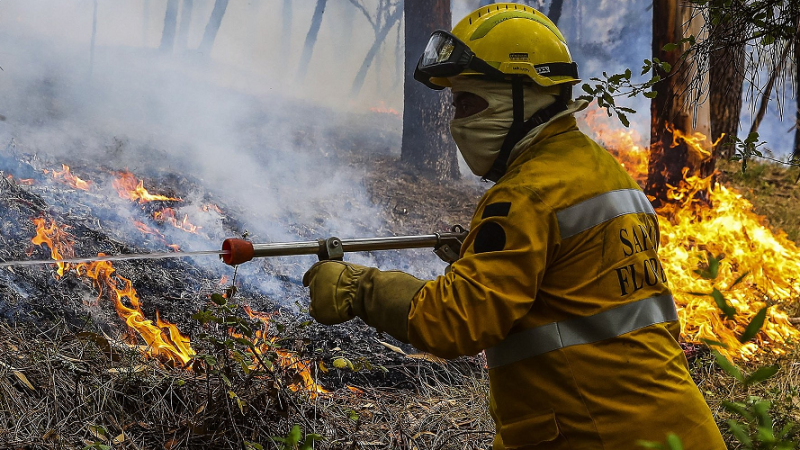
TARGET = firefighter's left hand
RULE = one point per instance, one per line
(333, 286)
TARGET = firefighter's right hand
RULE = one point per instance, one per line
(334, 287)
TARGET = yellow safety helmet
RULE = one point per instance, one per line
(502, 39)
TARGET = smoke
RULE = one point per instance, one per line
(235, 125)
(238, 124)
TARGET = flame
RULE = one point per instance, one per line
(55, 237)
(263, 343)
(148, 230)
(21, 181)
(690, 229)
(383, 109)
(212, 208)
(141, 226)
(355, 390)
(129, 187)
(697, 142)
(168, 215)
(164, 340)
(626, 145)
(66, 177)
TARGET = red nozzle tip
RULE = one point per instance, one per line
(238, 251)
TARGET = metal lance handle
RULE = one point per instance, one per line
(240, 251)
(446, 245)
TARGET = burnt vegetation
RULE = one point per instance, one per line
(73, 375)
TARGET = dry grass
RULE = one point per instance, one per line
(773, 189)
(439, 415)
(782, 390)
(66, 389)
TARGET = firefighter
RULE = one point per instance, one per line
(559, 280)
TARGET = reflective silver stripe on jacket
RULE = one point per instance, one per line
(604, 207)
(582, 330)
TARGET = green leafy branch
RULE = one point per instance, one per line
(296, 440)
(755, 430)
(764, 21)
(605, 90)
(755, 427)
(745, 149)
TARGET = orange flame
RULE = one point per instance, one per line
(168, 215)
(146, 229)
(698, 142)
(68, 178)
(129, 187)
(730, 228)
(286, 359)
(626, 145)
(355, 390)
(21, 181)
(383, 109)
(163, 339)
(690, 229)
(55, 237)
(212, 207)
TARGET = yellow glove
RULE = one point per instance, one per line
(332, 286)
(340, 291)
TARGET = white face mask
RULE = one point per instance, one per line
(480, 136)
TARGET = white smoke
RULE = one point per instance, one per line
(236, 122)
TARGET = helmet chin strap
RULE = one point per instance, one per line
(520, 127)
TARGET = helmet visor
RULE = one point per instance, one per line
(439, 49)
(446, 56)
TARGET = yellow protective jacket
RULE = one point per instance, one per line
(560, 282)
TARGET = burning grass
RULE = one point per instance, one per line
(67, 388)
(69, 385)
(73, 375)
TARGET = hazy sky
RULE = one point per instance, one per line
(252, 54)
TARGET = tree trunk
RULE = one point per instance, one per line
(94, 38)
(380, 37)
(554, 13)
(796, 150)
(398, 55)
(311, 39)
(427, 145)
(186, 22)
(726, 78)
(286, 29)
(145, 17)
(212, 27)
(773, 77)
(170, 23)
(676, 110)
